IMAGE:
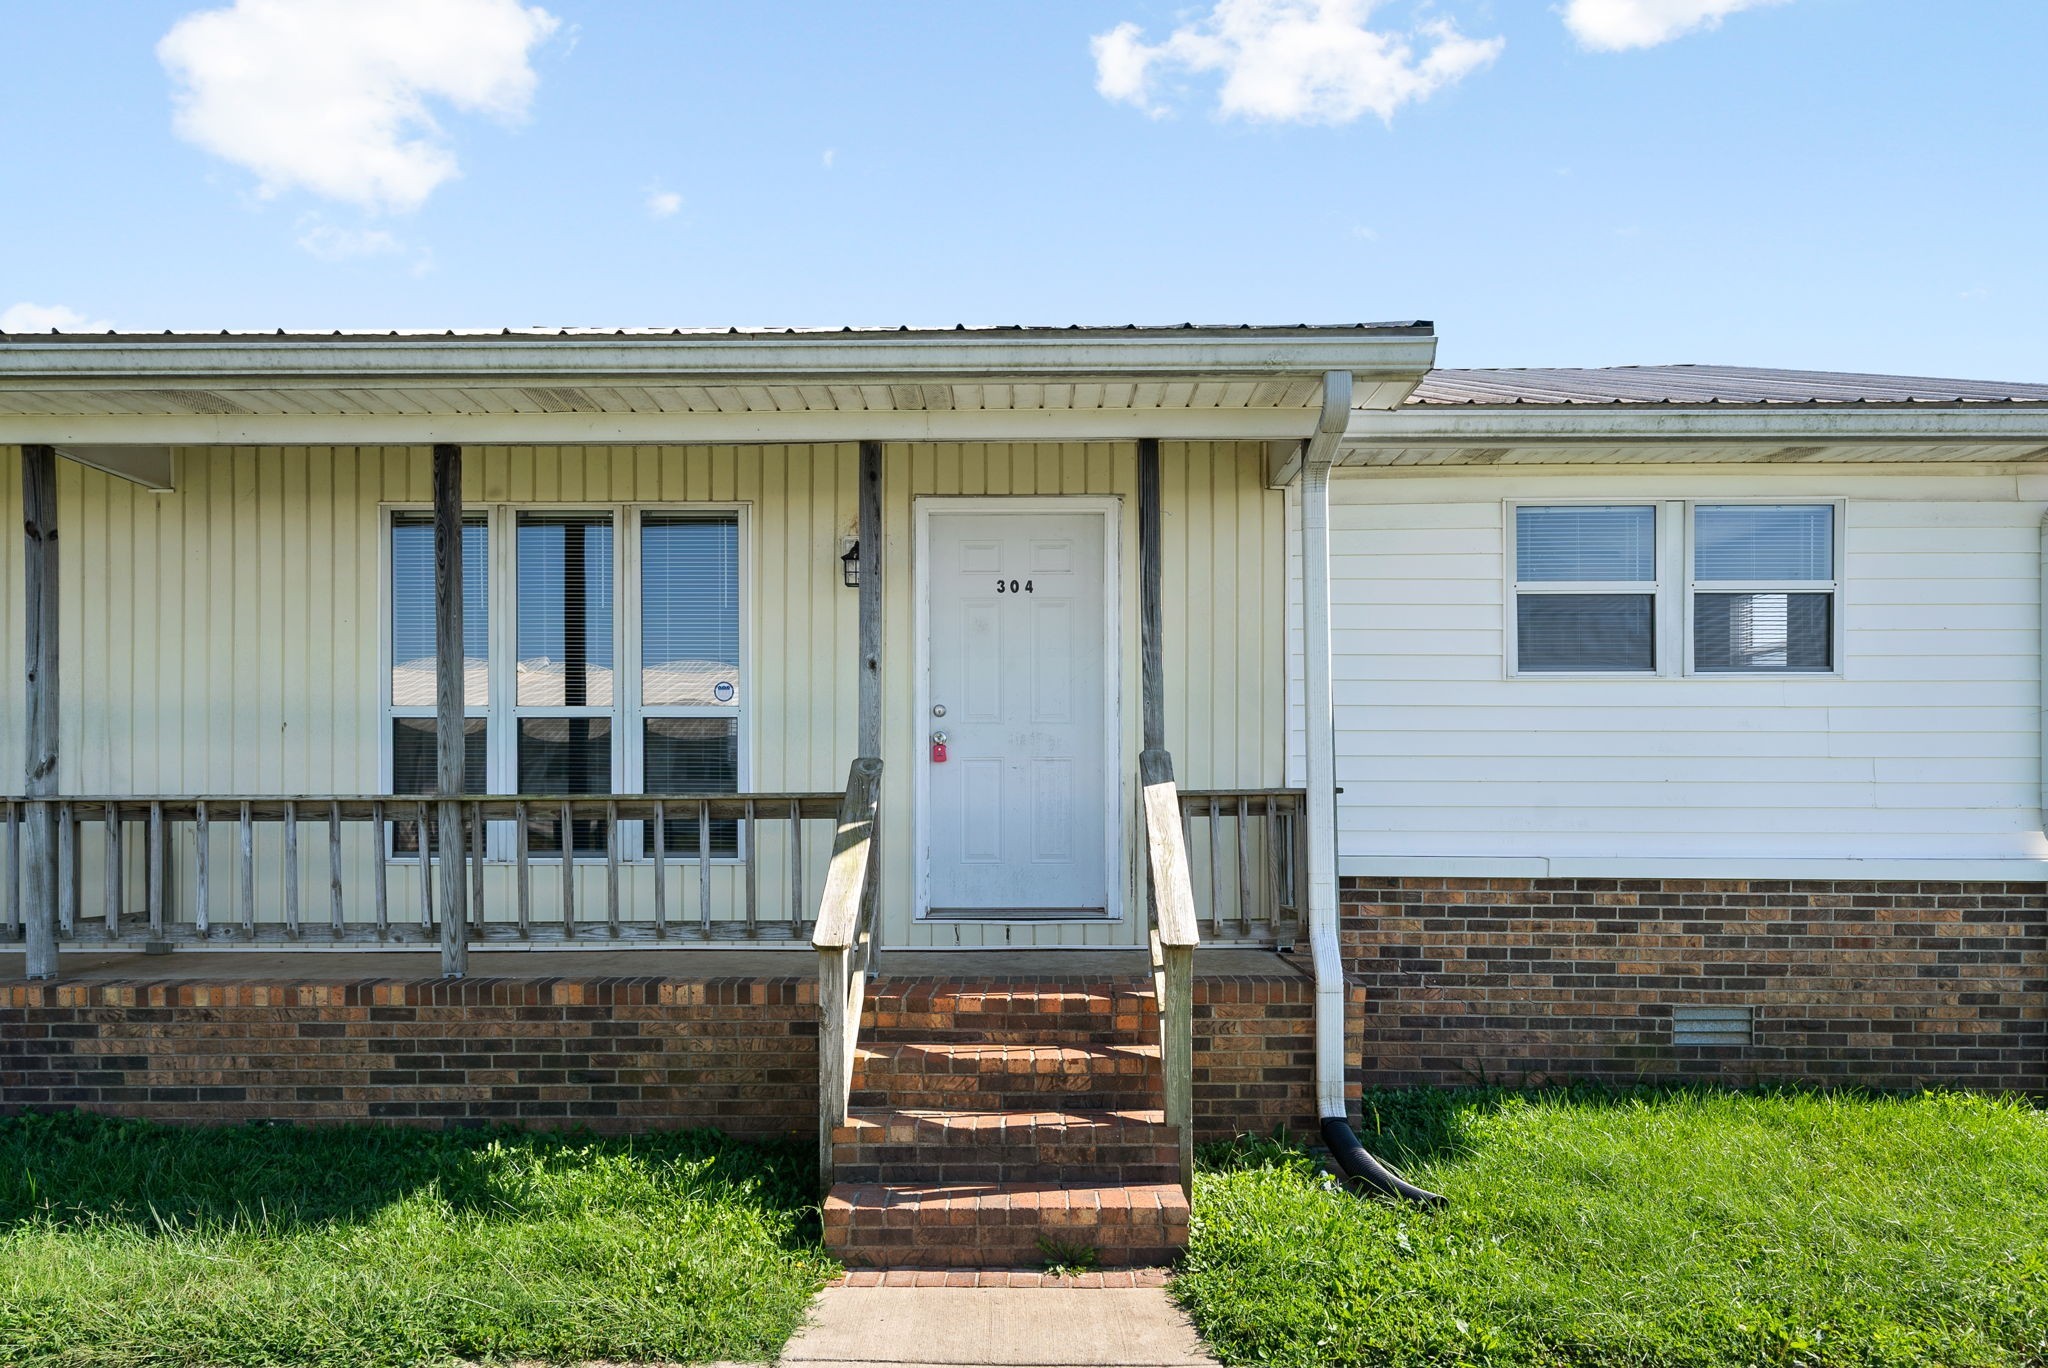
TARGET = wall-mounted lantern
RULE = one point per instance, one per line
(849, 566)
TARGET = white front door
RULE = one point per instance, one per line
(1017, 814)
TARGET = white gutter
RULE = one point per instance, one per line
(1393, 353)
(2042, 666)
(1319, 728)
(1536, 425)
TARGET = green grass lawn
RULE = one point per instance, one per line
(123, 1243)
(1640, 1228)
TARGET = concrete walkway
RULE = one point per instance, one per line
(996, 1327)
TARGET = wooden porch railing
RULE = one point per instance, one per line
(1247, 848)
(221, 870)
(845, 941)
(1173, 934)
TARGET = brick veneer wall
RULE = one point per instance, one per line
(1884, 984)
(614, 1054)
(1255, 1052)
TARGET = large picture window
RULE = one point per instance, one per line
(607, 660)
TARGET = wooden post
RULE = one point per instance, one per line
(1150, 612)
(39, 658)
(448, 708)
(871, 599)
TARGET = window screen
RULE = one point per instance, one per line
(565, 610)
(685, 755)
(1778, 610)
(689, 611)
(564, 755)
(1586, 591)
(412, 611)
(413, 769)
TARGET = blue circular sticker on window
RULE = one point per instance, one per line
(722, 691)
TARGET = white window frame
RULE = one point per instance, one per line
(502, 711)
(1833, 587)
(1674, 588)
(1661, 651)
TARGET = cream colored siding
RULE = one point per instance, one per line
(224, 638)
(1925, 748)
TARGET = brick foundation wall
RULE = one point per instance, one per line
(1534, 980)
(1255, 1053)
(614, 1054)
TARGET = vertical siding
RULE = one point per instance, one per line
(1925, 747)
(224, 638)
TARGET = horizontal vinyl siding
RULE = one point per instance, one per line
(1926, 747)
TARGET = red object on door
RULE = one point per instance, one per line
(938, 752)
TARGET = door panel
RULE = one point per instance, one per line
(1017, 817)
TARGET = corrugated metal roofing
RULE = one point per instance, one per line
(1698, 385)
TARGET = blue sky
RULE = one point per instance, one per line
(1843, 184)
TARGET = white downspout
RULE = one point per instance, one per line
(1319, 740)
(2041, 665)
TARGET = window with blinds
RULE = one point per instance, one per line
(1763, 588)
(565, 692)
(614, 666)
(1585, 588)
(690, 685)
(412, 612)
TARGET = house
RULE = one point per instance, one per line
(1199, 723)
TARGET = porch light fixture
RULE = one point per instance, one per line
(849, 566)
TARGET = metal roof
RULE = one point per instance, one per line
(1410, 328)
(1707, 385)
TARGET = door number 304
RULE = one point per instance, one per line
(1013, 587)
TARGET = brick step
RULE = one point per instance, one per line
(984, 1076)
(903, 1145)
(962, 1012)
(999, 1225)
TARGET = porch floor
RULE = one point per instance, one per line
(341, 966)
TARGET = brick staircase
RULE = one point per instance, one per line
(991, 1113)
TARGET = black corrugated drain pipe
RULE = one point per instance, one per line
(1361, 1168)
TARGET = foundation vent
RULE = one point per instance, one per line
(1712, 1025)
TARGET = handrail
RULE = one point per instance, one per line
(844, 937)
(1246, 847)
(1173, 935)
(194, 862)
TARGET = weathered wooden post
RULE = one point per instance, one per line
(449, 744)
(871, 599)
(39, 659)
(1152, 633)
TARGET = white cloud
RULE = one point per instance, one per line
(1617, 25)
(1299, 61)
(663, 203)
(332, 95)
(28, 318)
(329, 243)
(830, 157)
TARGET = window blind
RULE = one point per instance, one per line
(412, 612)
(1764, 631)
(565, 610)
(1758, 542)
(1556, 544)
(689, 611)
(685, 755)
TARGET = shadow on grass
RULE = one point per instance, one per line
(77, 1170)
